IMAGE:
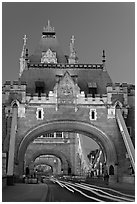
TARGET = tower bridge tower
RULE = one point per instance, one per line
(55, 94)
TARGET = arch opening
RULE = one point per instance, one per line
(111, 170)
(83, 128)
(50, 152)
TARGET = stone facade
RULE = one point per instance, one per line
(67, 97)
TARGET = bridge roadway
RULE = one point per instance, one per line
(54, 190)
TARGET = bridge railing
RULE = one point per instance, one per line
(126, 137)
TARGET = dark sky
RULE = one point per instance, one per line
(96, 26)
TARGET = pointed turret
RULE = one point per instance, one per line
(72, 57)
(48, 50)
(24, 55)
(48, 31)
(104, 60)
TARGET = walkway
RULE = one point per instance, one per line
(25, 193)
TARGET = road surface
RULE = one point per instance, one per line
(62, 191)
(55, 190)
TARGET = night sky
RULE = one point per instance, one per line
(96, 26)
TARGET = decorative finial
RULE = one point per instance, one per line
(24, 46)
(48, 23)
(103, 60)
(72, 48)
(23, 56)
(72, 57)
(25, 39)
(48, 28)
(72, 39)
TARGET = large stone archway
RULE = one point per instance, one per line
(43, 163)
(53, 168)
(64, 163)
(81, 127)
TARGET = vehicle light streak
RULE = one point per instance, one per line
(92, 188)
(127, 195)
(96, 199)
(114, 197)
(102, 196)
(63, 185)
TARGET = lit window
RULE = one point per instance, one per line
(93, 114)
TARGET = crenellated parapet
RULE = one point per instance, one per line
(98, 99)
(14, 90)
(51, 98)
(45, 99)
(15, 85)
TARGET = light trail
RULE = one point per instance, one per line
(92, 188)
(103, 196)
(62, 185)
(110, 189)
(114, 197)
(90, 197)
(68, 184)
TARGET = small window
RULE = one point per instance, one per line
(93, 114)
(39, 87)
(39, 114)
(59, 134)
(92, 88)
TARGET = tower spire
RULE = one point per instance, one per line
(23, 55)
(24, 45)
(72, 57)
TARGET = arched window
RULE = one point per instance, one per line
(111, 170)
(118, 105)
(39, 114)
(93, 114)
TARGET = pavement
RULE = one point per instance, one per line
(21, 192)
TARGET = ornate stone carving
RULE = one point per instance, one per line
(49, 57)
(67, 90)
(48, 28)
